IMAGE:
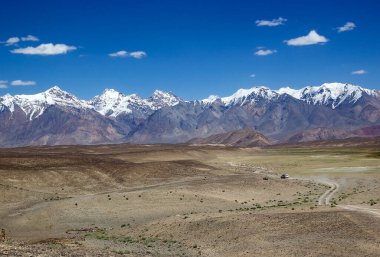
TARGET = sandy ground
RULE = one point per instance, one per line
(117, 200)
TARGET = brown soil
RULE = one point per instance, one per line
(163, 200)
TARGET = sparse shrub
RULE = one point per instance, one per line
(122, 252)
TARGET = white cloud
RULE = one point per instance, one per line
(265, 52)
(310, 39)
(272, 23)
(347, 27)
(30, 38)
(45, 49)
(12, 41)
(359, 72)
(22, 83)
(137, 54)
(119, 54)
(252, 75)
(122, 53)
(3, 84)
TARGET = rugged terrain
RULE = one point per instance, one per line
(243, 137)
(56, 117)
(176, 200)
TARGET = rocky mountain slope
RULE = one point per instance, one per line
(318, 134)
(58, 117)
(244, 138)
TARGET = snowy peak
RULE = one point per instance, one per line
(8, 101)
(34, 105)
(111, 94)
(108, 98)
(55, 90)
(110, 103)
(211, 99)
(329, 94)
(56, 96)
(113, 103)
(158, 94)
(252, 95)
(296, 93)
(161, 99)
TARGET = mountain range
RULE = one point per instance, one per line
(53, 117)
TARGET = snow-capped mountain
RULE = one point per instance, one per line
(58, 117)
(34, 105)
(252, 95)
(113, 103)
(211, 99)
(110, 103)
(329, 94)
(243, 97)
(161, 99)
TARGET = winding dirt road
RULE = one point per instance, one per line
(325, 199)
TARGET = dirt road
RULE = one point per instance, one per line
(326, 197)
(374, 212)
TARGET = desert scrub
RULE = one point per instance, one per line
(54, 245)
(372, 202)
(101, 234)
(122, 252)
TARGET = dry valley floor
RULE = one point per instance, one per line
(177, 200)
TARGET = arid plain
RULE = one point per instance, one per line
(181, 200)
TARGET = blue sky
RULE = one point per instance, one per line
(192, 48)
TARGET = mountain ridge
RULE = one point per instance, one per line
(112, 103)
(165, 118)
